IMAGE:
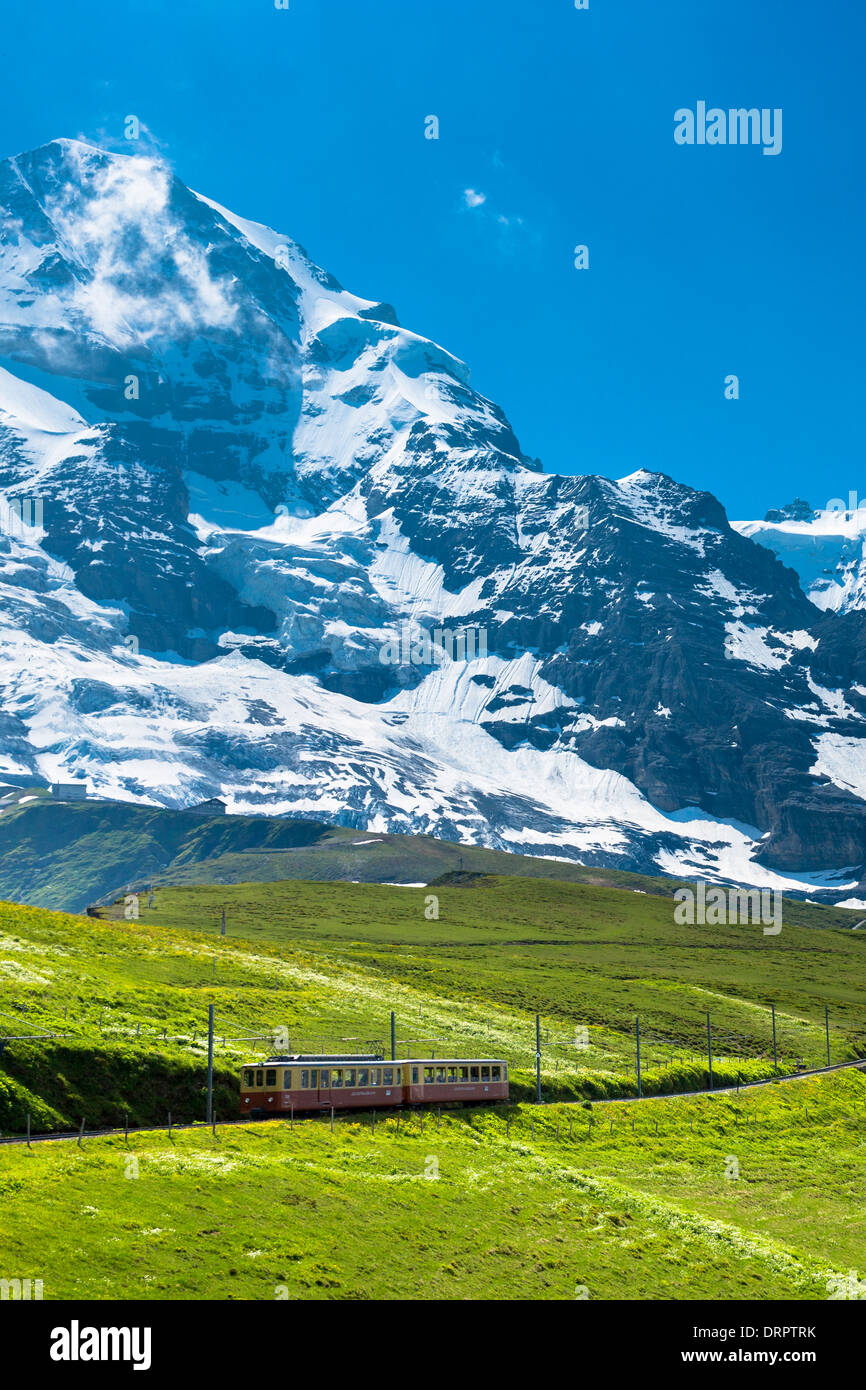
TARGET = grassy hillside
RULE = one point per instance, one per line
(718, 1198)
(108, 1016)
(66, 856)
(721, 1197)
(580, 955)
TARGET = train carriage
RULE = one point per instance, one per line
(470, 1081)
(292, 1085)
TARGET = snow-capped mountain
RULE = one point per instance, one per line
(252, 496)
(826, 548)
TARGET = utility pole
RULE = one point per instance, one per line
(538, 1058)
(710, 1049)
(223, 923)
(210, 1064)
(637, 1040)
(393, 1037)
(775, 1055)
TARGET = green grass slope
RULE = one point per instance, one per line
(101, 1017)
(717, 1198)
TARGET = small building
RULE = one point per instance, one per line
(68, 791)
(214, 807)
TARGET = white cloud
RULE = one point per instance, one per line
(474, 199)
(125, 231)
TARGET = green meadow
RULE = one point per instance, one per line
(723, 1198)
(728, 1196)
(108, 1017)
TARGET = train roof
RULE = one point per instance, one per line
(322, 1057)
(336, 1059)
(451, 1061)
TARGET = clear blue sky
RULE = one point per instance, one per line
(703, 261)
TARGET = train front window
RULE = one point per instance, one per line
(305, 1081)
(271, 1076)
(260, 1077)
(494, 1072)
(287, 1080)
(249, 1077)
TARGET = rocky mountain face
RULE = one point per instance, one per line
(262, 542)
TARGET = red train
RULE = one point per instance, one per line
(289, 1085)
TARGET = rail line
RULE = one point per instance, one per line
(723, 1090)
(72, 1137)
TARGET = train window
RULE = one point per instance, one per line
(305, 1080)
(494, 1072)
(363, 1077)
(337, 1079)
(324, 1082)
(249, 1077)
(287, 1080)
(428, 1076)
(397, 1076)
(452, 1075)
(440, 1075)
(349, 1076)
(464, 1073)
(485, 1073)
(414, 1076)
(271, 1076)
(314, 1078)
(260, 1077)
(473, 1072)
(388, 1074)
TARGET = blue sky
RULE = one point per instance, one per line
(703, 261)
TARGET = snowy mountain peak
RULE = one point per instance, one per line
(287, 555)
(798, 510)
(826, 547)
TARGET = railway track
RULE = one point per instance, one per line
(727, 1090)
(65, 1136)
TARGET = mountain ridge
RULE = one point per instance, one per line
(251, 480)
